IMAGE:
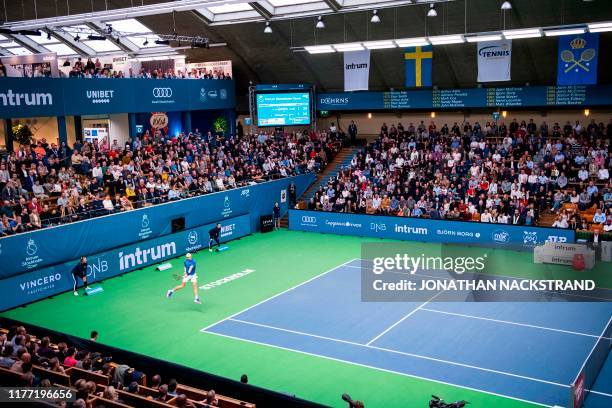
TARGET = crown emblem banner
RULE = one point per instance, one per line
(577, 59)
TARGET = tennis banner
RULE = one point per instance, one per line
(356, 70)
(577, 60)
(494, 58)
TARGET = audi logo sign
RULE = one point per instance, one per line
(162, 92)
(308, 219)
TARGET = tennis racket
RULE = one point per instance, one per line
(177, 277)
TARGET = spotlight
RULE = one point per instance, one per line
(196, 44)
(174, 35)
(29, 32)
(320, 24)
(146, 42)
(432, 11)
(162, 42)
(375, 19)
(96, 37)
(506, 5)
(109, 28)
(48, 36)
(77, 38)
(268, 29)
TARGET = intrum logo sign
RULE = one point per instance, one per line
(162, 92)
(405, 229)
(10, 98)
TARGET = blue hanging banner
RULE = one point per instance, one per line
(577, 59)
(418, 61)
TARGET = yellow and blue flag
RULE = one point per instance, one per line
(577, 59)
(418, 61)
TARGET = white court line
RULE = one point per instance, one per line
(403, 353)
(278, 294)
(403, 318)
(379, 369)
(601, 336)
(512, 323)
(501, 276)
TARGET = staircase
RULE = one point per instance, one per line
(342, 159)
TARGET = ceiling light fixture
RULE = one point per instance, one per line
(375, 18)
(568, 31)
(523, 33)
(319, 49)
(379, 45)
(268, 29)
(600, 27)
(432, 11)
(77, 38)
(412, 42)
(320, 24)
(480, 38)
(446, 39)
(348, 47)
(506, 5)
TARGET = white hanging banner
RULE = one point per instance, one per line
(494, 58)
(356, 70)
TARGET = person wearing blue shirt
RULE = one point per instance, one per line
(189, 275)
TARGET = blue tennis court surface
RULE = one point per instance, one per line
(525, 351)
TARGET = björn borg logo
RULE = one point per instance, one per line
(162, 92)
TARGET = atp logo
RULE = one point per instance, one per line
(31, 249)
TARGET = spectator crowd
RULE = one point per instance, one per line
(20, 352)
(502, 173)
(45, 184)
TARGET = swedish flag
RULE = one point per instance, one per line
(418, 62)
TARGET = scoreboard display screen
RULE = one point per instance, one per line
(283, 109)
(510, 97)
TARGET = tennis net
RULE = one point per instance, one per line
(587, 375)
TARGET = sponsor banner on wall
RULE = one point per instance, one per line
(41, 283)
(425, 230)
(494, 60)
(37, 249)
(356, 70)
(31, 66)
(92, 96)
(218, 67)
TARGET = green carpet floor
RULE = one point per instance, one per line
(133, 314)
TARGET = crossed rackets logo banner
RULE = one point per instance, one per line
(577, 61)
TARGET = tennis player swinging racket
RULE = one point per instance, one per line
(189, 275)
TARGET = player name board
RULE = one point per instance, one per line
(506, 97)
